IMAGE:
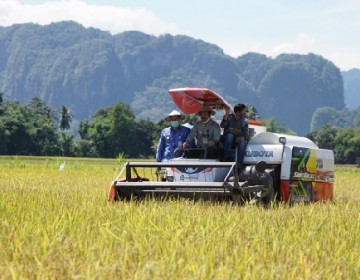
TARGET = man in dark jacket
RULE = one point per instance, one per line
(236, 133)
(206, 132)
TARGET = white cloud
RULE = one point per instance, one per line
(109, 18)
(303, 44)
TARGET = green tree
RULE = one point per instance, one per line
(112, 131)
(325, 137)
(356, 117)
(312, 136)
(99, 133)
(65, 118)
(28, 129)
(3, 148)
(123, 130)
(3, 140)
(343, 150)
(43, 130)
(40, 108)
(145, 133)
(253, 113)
(84, 148)
(345, 142)
(115, 131)
(16, 127)
(66, 144)
(272, 125)
(84, 129)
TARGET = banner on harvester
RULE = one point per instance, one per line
(311, 165)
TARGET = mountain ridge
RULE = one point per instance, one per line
(86, 69)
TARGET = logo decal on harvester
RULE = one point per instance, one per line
(259, 153)
(190, 170)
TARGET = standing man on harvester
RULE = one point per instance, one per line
(236, 133)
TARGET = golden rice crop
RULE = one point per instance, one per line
(59, 225)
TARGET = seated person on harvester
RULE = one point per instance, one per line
(236, 133)
(207, 133)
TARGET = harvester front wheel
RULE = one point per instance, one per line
(268, 195)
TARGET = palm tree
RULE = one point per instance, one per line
(65, 118)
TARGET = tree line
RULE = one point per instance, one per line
(345, 142)
(38, 130)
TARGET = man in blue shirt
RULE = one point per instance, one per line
(172, 138)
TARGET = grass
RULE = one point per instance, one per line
(59, 225)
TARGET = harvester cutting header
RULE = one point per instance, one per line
(274, 167)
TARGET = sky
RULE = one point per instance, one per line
(330, 28)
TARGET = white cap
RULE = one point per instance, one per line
(172, 114)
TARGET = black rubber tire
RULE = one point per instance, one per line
(270, 195)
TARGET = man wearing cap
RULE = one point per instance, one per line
(206, 131)
(236, 132)
(172, 138)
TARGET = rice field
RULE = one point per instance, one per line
(59, 225)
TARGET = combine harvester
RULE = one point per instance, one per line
(277, 167)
